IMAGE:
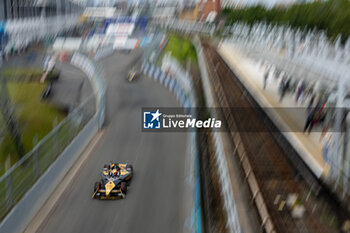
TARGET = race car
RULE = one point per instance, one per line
(124, 170)
(115, 179)
(133, 74)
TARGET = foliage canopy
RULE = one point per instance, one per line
(333, 16)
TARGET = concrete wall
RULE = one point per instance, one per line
(21, 215)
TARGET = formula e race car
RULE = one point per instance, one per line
(133, 74)
(115, 179)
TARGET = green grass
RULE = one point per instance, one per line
(27, 74)
(35, 117)
(181, 49)
(22, 71)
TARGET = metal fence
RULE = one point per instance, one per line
(187, 26)
(310, 56)
(21, 176)
(180, 84)
(185, 98)
(96, 77)
(152, 52)
(233, 224)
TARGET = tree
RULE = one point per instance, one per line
(332, 16)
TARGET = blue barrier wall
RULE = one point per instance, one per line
(187, 100)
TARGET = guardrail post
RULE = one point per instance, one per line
(36, 164)
(56, 143)
(36, 158)
(71, 128)
(9, 191)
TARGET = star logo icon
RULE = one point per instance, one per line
(151, 119)
(156, 115)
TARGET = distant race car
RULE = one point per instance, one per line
(132, 75)
(115, 179)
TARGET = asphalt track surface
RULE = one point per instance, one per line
(155, 201)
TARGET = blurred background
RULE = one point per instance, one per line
(75, 75)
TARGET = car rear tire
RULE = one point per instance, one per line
(97, 186)
(131, 170)
(129, 166)
(123, 187)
